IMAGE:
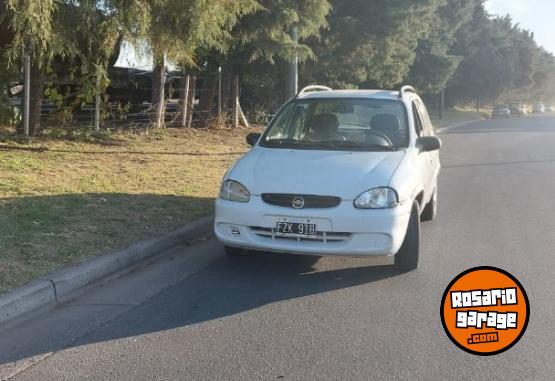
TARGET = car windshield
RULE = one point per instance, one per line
(339, 124)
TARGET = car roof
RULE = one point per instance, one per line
(345, 94)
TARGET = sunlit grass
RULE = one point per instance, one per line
(456, 116)
(63, 201)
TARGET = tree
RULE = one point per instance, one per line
(35, 33)
(177, 28)
(435, 62)
(543, 89)
(370, 43)
(78, 34)
(499, 59)
(261, 45)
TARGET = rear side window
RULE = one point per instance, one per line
(425, 119)
(418, 125)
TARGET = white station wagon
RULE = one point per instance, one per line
(339, 173)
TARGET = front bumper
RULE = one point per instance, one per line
(343, 230)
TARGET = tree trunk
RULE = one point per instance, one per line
(226, 96)
(36, 96)
(191, 100)
(235, 101)
(184, 109)
(207, 99)
(158, 85)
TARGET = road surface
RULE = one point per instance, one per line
(301, 318)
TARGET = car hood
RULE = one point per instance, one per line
(329, 173)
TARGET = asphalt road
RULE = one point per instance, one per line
(285, 317)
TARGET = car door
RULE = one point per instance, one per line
(425, 158)
(433, 157)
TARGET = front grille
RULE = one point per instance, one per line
(310, 201)
(324, 237)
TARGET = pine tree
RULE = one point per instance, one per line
(435, 63)
(371, 43)
(263, 44)
(176, 29)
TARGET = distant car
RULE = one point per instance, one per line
(501, 111)
(550, 108)
(517, 109)
(538, 108)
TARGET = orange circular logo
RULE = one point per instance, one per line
(485, 311)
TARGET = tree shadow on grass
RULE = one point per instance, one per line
(41, 234)
(4, 147)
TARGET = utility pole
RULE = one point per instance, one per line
(441, 103)
(97, 101)
(236, 101)
(220, 94)
(293, 85)
(185, 101)
(27, 92)
(161, 107)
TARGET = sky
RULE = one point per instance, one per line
(534, 15)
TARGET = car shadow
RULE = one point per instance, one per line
(228, 287)
(232, 286)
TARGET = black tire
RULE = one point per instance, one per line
(407, 257)
(236, 252)
(430, 211)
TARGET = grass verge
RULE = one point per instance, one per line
(456, 116)
(64, 201)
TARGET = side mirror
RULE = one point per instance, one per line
(428, 144)
(253, 138)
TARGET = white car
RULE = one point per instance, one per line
(538, 108)
(339, 173)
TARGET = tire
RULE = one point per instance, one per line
(407, 257)
(430, 211)
(236, 252)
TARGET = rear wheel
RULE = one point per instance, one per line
(430, 211)
(235, 251)
(407, 257)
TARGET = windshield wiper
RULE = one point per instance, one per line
(281, 142)
(361, 146)
(298, 143)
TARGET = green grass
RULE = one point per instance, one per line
(63, 201)
(455, 116)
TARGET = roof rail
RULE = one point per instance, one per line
(312, 88)
(406, 89)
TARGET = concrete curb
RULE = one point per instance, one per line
(444, 129)
(55, 287)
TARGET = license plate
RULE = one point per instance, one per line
(287, 228)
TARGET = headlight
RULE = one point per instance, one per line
(377, 198)
(234, 191)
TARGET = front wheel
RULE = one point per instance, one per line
(430, 211)
(407, 257)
